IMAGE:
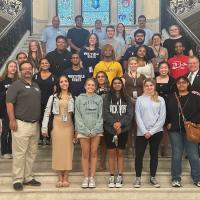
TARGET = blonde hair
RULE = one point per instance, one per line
(129, 60)
(5, 73)
(155, 95)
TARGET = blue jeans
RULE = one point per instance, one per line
(179, 143)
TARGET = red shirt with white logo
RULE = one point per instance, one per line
(178, 66)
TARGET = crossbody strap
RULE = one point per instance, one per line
(52, 105)
(180, 107)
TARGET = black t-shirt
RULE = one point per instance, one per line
(90, 58)
(78, 36)
(4, 85)
(77, 80)
(59, 61)
(46, 86)
(169, 44)
(131, 52)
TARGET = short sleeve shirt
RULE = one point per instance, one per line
(112, 69)
(49, 35)
(78, 36)
(77, 80)
(26, 99)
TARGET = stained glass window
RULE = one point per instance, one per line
(126, 12)
(96, 9)
(65, 11)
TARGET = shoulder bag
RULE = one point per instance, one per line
(192, 130)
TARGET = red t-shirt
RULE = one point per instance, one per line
(178, 66)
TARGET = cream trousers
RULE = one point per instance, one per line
(24, 148)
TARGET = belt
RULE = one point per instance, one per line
(28, 121)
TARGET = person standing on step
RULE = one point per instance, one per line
(190, 104)
(117, 116)
(176, 36)
(194, 76)
(23, 101)
(77, 36)
(165, 85)
(101, 33)
(150, 113)
(133, 82)
(90, 54)
(76, 75)
(178, 63)
(89, 128)
(62, 106)
(21, 57)
(9, 76)
(60, 58)
(46, 81)
(108, 64)
(103, 87)
(35, 54)
(49, 35)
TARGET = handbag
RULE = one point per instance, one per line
(192, 130)
(51, 116)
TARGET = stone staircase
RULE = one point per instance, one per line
(44, 173)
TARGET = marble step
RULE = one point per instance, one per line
(102, 192)
(44, 165)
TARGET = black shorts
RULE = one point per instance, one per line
(122, 140)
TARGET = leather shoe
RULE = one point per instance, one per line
(18, 186)
(33, 182)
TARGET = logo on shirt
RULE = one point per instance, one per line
(179, 64)
(76, 78)
(91, 55)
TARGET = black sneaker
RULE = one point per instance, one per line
(33, 182)
(18, 186)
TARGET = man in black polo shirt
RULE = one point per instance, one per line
(139, 38)
(23, 107)
(59, 59)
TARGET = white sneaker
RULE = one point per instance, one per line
(7, 156)
(119, 182)
(85, 182)
(176, 183)
(154, 182)
(92, 183)
(111, 182)
(137, 183)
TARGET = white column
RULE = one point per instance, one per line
(51, 10)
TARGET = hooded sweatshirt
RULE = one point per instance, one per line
(88, 115)
(120, 111)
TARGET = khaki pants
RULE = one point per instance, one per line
(24, 146)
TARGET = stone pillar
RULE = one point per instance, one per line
(51, 10)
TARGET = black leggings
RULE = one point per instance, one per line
(140, 147)
(6, 138)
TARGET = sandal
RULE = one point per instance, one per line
(65, 184)
(59, 184)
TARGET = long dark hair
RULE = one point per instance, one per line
(58, 89)
(145, 57)
(112, 94)
(124, 31)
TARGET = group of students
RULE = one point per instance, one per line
(93, 98)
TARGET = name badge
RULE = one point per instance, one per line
(27, 86)
(90, 69)
(37, 89)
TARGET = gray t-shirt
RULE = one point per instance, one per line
(26, 99)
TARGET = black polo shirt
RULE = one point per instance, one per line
(26, 99)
